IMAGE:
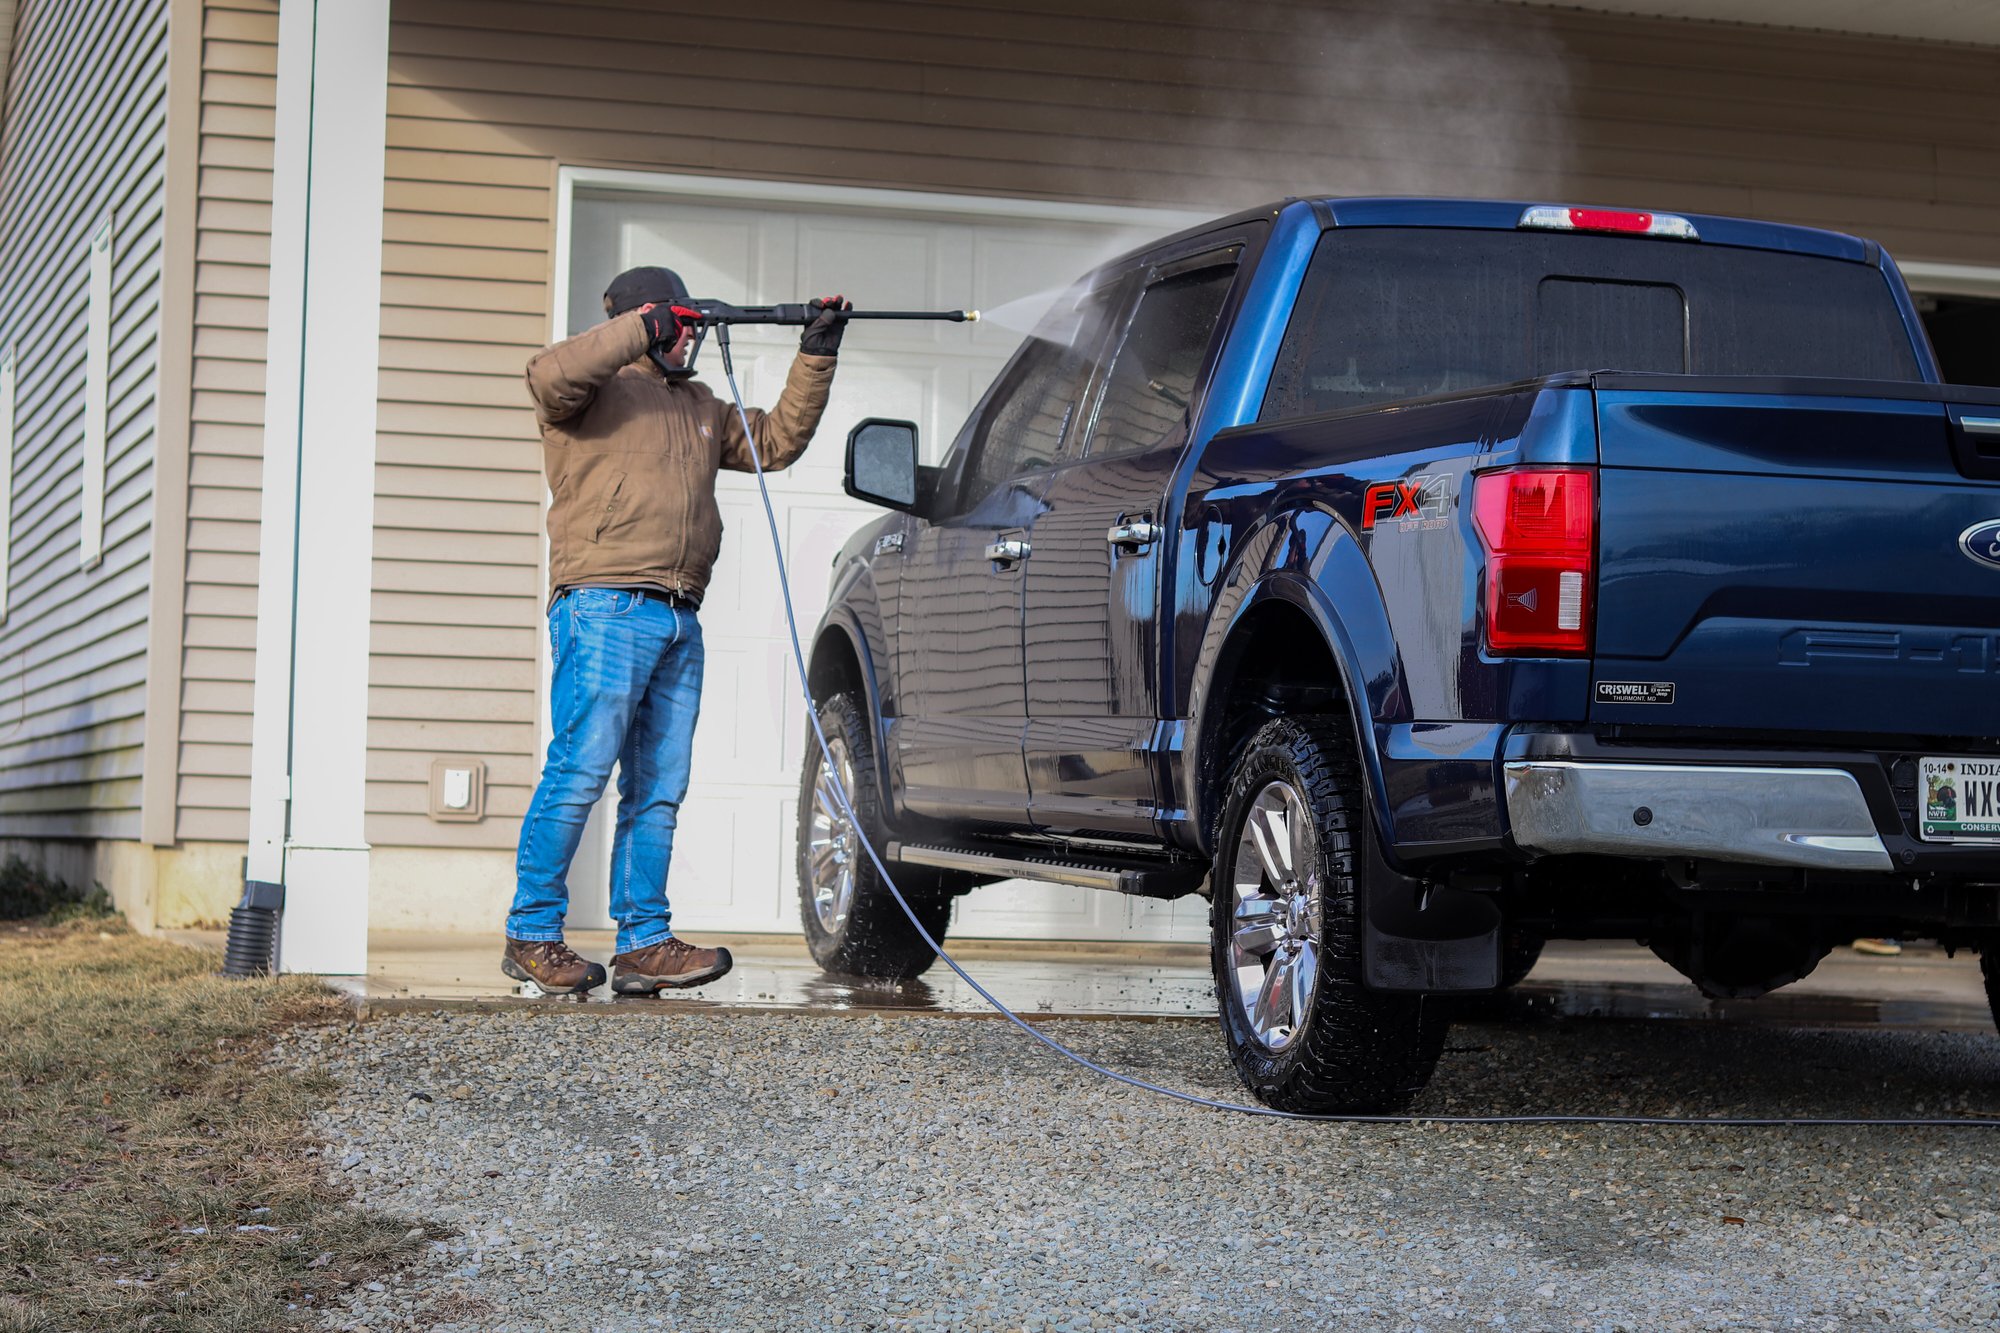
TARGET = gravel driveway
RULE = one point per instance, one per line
(661, 1168)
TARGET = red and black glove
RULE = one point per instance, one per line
(822, 336)
(662, 328)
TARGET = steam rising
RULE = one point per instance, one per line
(1423, 97)
(1433, 97)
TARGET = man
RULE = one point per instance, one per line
(631, 445)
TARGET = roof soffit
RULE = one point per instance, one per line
(1965, 22)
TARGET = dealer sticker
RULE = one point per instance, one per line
(1635, 691)
(1961, 800)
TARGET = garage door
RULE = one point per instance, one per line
(733, 853)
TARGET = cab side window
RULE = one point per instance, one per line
(1152, 379)
(1028, 419)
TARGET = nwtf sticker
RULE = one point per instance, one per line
(1635, 691)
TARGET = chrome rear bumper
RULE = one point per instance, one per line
(1808, 818)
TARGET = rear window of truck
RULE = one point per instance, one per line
(1391, 313)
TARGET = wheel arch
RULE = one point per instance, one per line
(841, 659)
(1300, 606)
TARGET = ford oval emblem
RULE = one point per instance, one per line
(1981, 542)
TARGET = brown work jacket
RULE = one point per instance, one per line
(631, 457)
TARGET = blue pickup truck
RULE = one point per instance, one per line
(1420, 580)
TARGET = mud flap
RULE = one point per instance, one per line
(1418, 936)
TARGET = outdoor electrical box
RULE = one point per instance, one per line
(458, 790)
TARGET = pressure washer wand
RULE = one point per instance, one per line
(709, 313)
(698, 317)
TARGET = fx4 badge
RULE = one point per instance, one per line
(1413, 505)
(888, 541)
(1981, 542)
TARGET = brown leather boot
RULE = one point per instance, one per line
(552, 965)
(671, 962)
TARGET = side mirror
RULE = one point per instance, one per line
(882, 464)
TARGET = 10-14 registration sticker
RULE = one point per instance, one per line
(1961, 799)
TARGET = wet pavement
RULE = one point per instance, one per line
(775, 972)
(1922, 988)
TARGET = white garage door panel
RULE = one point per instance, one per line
(738, 739)
(714, 253)
(726, 861)
(733, 852)
(887, 264)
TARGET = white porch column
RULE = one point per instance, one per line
(309, 745)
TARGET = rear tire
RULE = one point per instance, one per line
(853, 924)
(1285, 935)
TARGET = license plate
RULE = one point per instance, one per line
(1960, 800)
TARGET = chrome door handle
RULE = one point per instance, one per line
(1133, 536)
(1011, 551)
(1980, 425)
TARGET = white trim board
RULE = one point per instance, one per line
(309, 749)
(284, 348)
(1951, 279)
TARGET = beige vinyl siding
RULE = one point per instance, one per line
(1202, 106)
(85, 135)
(7, 8)
(239, 53)
(453, 668)
(1118, 101)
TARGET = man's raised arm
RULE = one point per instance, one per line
(564, 378)
(783, 433)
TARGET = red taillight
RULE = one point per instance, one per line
(1539, 527)
(1556, 217)
(1605, 219)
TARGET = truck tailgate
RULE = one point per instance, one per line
(1797, 558)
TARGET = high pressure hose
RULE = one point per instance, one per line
(1130, 1081)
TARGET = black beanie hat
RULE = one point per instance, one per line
(643, 286)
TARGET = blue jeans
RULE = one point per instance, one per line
(626, 687)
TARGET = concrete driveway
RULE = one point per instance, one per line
(1922, 987)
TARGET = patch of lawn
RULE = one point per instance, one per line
(152, 1166)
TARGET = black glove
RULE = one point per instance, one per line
(661, 326)
(822, 336)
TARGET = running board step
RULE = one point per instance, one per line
(1138, 879)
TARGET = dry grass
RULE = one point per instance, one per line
(140, 1128)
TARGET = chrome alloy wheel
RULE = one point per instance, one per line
(833, 846)
(1274, 933)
